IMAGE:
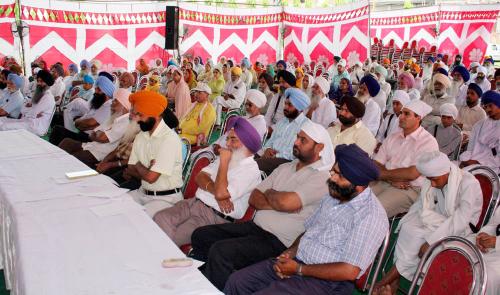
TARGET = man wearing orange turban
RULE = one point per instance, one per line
(156, 157)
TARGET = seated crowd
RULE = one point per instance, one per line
(324, 160)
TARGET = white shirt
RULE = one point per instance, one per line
(259, 123)
(399, 151)
(247, 78)
(275, 111)
(242, 179)
(165, 147)
(101, 115)
(484, 138)
(325, 113)
(461, 96)
(414, 94)
(44, 108)
(238, 90)
(381, 100)
(114, 132)
(391, 127)
(485, 85)
(371, 119)
(58, 88)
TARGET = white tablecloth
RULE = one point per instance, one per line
(83, 237)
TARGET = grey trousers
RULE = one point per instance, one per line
(180, 220)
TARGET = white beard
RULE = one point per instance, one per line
(131, 131)
(363, 98)
(237, 156)
(315, 99)
(455, 87)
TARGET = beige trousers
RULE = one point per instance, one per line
(179, 221)
(394, 200)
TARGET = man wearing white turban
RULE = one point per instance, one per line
(255, 100)
(322, 110)
(447, 135)
(481, 79)
(436, 99)
(400, 182)
(448, 203)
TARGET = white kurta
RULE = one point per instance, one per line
(58, 89)
(484, 140)
(414, 94)
(381, 99)
(274, 111)
(434, 117)
(419, 226)
(35, 119)
(114, 132)
(372, 116)
(390, 124)
(492, 257)
(238, 90)
(325, 114)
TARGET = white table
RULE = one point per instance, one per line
(78, 237)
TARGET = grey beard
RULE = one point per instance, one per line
(39, 92)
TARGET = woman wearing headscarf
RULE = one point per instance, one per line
(206, 75)
(142, 67)
(216, 84)
(270, 70)
(198, 65)
(345, 88)
(178, 92)
(226, 73)
(153, 83)
(266, 86)
(189, 77)
(307, 83)
(299, 76)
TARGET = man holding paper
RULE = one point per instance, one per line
(156, 157)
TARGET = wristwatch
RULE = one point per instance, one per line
(299, 269)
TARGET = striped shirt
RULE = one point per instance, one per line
(284, 135)
(350, 232)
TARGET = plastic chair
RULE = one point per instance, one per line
(74, 91)
(490, 187)
(187, 146)
(50, 120)
(452, 265)
(201, 160)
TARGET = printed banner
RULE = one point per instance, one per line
(320, 34)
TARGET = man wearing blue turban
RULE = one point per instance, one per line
(279, 148)
(12, 100)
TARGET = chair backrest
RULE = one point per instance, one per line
(490, 187)
(231, 113)
(186, 152)
(456, 152)
(74, 91)
(413, 44)
(371, 273)
(202, 160)
(452, 265)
